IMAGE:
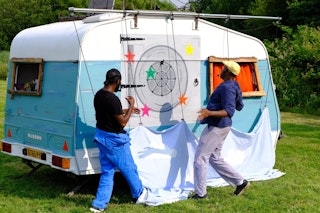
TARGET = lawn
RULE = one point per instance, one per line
(298, 155)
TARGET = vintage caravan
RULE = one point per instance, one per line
(169, 62)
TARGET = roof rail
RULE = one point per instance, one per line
(73, 10)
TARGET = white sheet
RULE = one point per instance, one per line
(165, 158)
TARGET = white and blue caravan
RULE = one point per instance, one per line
(169, 62)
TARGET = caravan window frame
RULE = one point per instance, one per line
(30, 88)
(258, 92)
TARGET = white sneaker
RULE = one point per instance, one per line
(143, 197)
(95, 209)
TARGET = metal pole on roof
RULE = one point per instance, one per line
(171, 13)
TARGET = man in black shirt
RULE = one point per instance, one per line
(114, 142)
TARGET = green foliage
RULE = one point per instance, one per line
(143, 5)
(263, 29)
(303, 12)
(295, 59)
(293, 13)
(4, 60)
(17, 15)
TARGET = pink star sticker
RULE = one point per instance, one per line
(145, 110)
(130, 56)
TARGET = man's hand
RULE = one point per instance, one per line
(130, 100)
(136, 110)
(203, 113)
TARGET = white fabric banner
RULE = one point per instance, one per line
(165, 158)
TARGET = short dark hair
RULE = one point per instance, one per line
(112, 76)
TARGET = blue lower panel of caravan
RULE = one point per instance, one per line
(41, 128)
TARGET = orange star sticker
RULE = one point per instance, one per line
(130, 56)
(183, 99)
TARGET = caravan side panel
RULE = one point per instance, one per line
(44, 124)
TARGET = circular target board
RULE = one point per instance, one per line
(164, 73)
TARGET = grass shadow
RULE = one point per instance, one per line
(47, 183)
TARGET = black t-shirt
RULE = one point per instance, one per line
(107, 106)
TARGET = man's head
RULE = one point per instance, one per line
(113, 76)
(232, 66)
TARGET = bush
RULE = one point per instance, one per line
(295, 62)
(4, 60)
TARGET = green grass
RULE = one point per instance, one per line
(298, 155)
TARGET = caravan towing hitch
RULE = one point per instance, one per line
(33, 167)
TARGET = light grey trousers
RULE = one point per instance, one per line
(209, 151)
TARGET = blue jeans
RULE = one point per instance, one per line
(110, 159)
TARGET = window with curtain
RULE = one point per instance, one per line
(248, 79)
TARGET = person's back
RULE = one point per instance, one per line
(227, 96)
(107, 105)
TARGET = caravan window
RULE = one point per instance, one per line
(26, 78)
(248, 79)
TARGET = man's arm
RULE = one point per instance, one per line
(124, 118)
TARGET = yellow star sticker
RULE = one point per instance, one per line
(182, 99)
(189, 49)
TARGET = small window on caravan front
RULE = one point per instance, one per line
(248, 79)
(26, 78)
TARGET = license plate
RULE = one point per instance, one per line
(34, 153)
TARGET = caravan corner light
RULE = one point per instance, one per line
(61, 162)
(6, 147)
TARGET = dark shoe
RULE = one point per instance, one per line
(95, 209)
(196, 197)
(240, 189)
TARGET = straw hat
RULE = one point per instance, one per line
(232, 66)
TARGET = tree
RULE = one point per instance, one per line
(295, 59)
(303, 12)
(293, 13)
(265, 29)
(144, 5)
(256, 27)
(17, 15)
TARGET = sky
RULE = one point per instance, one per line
(104, 3)
(179, 3)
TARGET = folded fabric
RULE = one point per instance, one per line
(165, 158)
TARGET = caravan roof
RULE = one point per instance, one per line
(62, 41)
